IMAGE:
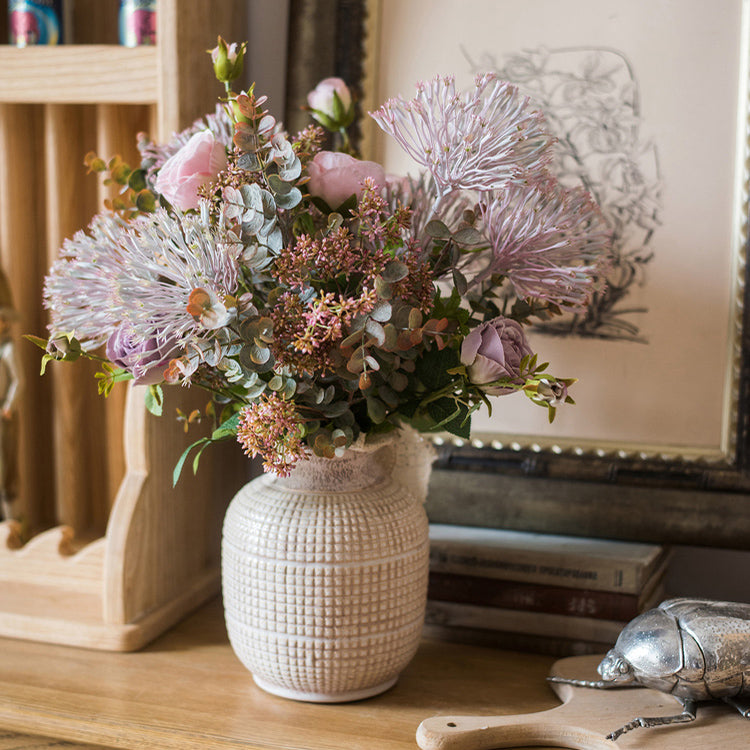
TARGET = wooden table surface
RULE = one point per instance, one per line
(187, 690)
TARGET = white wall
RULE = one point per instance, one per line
(266, 51)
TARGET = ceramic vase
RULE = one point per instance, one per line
(325, 573)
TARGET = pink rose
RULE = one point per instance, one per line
(195, 164)
(494, 350)
(334, 176)
(322, 101)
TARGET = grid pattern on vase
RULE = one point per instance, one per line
(325, 592)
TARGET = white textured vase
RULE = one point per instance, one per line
(325, 577)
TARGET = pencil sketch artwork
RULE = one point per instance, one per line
(590, 97)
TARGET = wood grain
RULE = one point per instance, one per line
(85, 74)
(187, 691)
(15, 741)
(585, 718)
(24, 260)
(71, 200)
(157, 554)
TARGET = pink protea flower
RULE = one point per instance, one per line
(477, 140)
(550, 241)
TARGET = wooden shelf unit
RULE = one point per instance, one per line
(92, 74)
(122, 555)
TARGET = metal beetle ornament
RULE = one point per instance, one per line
(694, 649)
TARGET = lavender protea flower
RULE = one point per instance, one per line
(550, 241)
(141, 274)
(478, 140)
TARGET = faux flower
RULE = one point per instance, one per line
(478, 140)
(552, 242)
(146, 360)
(197, 163)
(228, 60)
(331, 103)
(335, 176)
(318, 301)
(494, 350)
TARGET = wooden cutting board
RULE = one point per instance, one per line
(584, 719)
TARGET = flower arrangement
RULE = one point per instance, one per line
(317, 299)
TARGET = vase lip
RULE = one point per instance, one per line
(355, 467)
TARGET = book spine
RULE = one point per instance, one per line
(451, 614)
(591, 575)
(535, 644)
(494, 592)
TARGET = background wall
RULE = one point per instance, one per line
(695, 571)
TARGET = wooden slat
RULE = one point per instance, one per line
(24, 258)
(80, 483)
(83, 74)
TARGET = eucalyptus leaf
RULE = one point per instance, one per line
(376, 410)
(468, 236)
(290, 199)
(395, 271)
(437, 230)
(375, 330)
(291, 171)
(381, 312)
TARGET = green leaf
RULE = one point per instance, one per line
(181, 461)
(155, 400)
(459, 282)
(468, 236)
(353, 338)
(40, 342)
(226, 429)
(145, 201)
(137, 180)
(45, 359)
(383, 288)
(375, 330)
(382, 312)
(290, 199)
(432, 368)
(376, 410)
(198, 455)
(395, 271)
(437, 230)
(451, 416)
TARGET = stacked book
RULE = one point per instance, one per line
(551, 594)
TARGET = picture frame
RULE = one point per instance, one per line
(688, 484)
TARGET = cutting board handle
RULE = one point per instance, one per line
(490, 732)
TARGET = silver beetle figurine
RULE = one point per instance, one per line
(695, 649)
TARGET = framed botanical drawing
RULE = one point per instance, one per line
(649, 102)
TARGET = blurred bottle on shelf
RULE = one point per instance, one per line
(32, 22)
(137, 22)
